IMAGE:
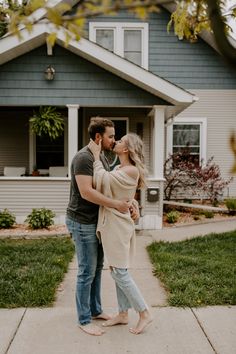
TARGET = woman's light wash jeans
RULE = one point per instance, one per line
(90, 263)
(128, 294)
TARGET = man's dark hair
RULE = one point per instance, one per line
(98, 125)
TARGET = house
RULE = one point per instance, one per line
(132, 71)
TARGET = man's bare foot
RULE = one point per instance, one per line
(144, 320)
(102, 316)
(117, 320)
(92, 329)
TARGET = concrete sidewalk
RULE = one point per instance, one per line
(174, 331)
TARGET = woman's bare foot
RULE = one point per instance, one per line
(144, 320)
(92, 329)
(121, 318)
(102, 316)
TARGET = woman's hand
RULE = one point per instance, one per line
(95, 148)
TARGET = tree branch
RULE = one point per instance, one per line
(218, 27)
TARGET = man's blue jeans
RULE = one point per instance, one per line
(90, 263)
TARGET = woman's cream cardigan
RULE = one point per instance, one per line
(116, 230)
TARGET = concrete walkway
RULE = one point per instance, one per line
(174, 330)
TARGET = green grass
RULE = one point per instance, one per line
(31, 270)
(197, 272)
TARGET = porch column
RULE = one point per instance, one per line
(158, 141)
(72, 132)
(152, 198)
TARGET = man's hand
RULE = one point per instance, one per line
(123, 206)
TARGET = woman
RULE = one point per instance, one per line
(117, 230)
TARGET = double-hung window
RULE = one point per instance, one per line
(188, 132)
(129, 40)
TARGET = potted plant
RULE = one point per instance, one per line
(35, 171)
(47, 121)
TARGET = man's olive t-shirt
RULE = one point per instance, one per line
(80, 209)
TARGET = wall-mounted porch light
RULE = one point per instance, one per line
(49, 73)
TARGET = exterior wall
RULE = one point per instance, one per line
(219, 107)
(14, 140)
(22, 194)
(191, 66)
(77, 81)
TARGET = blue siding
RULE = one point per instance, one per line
(190, 66)
(77, 81)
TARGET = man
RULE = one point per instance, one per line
(81, 220)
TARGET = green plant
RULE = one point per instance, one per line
(231, 205)
(7, 219)
(172, 216)
(208, 214)
(40, 218)
(47, 121)
(215, 203)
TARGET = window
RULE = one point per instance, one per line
(129, 40)
(44, 152)
(188, 132)
(49, 152)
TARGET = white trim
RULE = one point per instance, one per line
(11, 48)
(119, 28)
(158, 141)
(72, 133)
(203, 134)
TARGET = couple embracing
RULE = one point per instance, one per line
(100, 218)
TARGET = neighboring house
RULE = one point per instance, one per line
(134, 72)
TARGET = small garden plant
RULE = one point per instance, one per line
(7, 219)
(231, 205)
(208, 214)
(172, 216)
(40, 218)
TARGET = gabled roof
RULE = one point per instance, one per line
(11, 47)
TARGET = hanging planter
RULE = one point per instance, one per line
(47, 121)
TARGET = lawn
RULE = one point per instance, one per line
(197, 272)
(31, 270)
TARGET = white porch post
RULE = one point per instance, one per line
(152, 198)
(158, 141)
(72, 132)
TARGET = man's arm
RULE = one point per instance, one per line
(87, 192)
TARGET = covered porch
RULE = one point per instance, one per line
(20, 148)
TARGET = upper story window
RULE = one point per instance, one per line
(129, 40)
(188, 132)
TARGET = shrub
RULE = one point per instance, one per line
(172, 217)
(231, 205)
(184, 175)
(208, 214)
(7, 219)
(40, 218)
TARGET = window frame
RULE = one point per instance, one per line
(118, 28)
(33, 148)
(191, 121)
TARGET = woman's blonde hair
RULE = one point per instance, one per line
(136, 155)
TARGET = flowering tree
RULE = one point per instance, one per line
(183, 175)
